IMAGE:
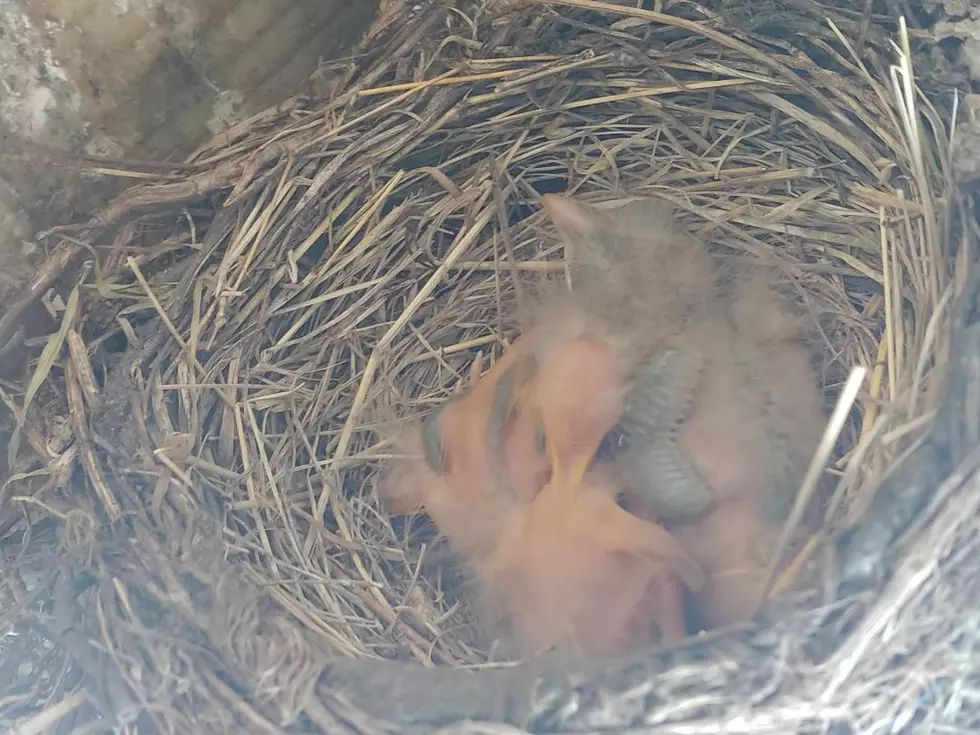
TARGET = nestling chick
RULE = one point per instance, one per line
(767, 394)
(638, 274)
(487, 434)
(752, 419)
(786, 378)
(724, 408)
(574, 573)
(472, 459)
(756, 419)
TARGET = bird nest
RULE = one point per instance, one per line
(192, 538)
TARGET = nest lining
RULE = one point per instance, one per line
(205, 512)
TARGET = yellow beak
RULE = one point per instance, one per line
(563, 472)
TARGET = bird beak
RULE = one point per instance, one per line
(568, 469)
(573, 219)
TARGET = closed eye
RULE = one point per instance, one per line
(432, 441)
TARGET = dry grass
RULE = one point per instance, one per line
(190, 529)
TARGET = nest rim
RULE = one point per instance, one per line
(267, 282)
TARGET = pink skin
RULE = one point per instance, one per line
(573, 571)
(642, 279)
(471, 499)
(731, 450)
(557, 561)
(570, 576)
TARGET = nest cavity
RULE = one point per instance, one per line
(191, 534)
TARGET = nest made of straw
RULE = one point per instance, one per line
(192, 539)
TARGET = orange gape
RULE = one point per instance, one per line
(482, 455)
(487, 437)
(573, 571)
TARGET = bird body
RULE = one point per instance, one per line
(574, 572)
(576, 575)
(471, 459)
(723, 405)
(719, 403)
(732, 442)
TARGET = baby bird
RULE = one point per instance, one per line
(479, 454)
(481, 447)
(574, 573)
(723, 409)
(490, 435)
(756, 422)
(749, 436)
(635, 271)
(784, 375)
